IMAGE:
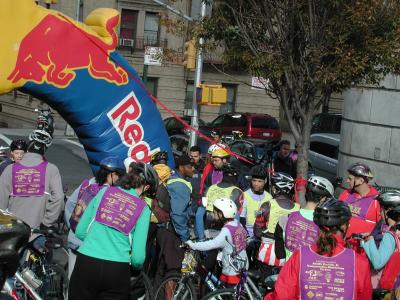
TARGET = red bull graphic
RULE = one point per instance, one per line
(42, 57)
(75, 69)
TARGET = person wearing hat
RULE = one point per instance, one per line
(17, 150)
(360, 196)
(173, 233)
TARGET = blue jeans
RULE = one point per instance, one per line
(199, 225)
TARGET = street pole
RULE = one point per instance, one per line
(197, 82)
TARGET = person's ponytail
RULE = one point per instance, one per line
(326, 242)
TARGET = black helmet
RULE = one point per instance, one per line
(147, 172)
(18, 145)
(360, 170)
(159, 158)
(113, 164)
(394, 214)
(332, 212)
(283, 181)
(389, 199)
(14, 234)
(258, 172)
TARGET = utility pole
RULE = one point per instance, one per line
(199, 69)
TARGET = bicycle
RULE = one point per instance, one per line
(141, 287)
(251, 285)
(180, 286)
(38, 278)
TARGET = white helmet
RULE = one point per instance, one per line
(41, 137)
(227, 206)
(320, 186)
(214, 147)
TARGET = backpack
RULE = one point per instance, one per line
(161, 205)
(85, 195)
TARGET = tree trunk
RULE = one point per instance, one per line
(302, 160)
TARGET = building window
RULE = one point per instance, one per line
(231, 101)
(189, 95)
(151, 29)
(128, 24)
(152, 85)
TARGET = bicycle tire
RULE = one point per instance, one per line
(141, 286)
(224, 294)
(55, 283)
(184, 289)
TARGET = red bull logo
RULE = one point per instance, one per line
(124, 117)
(55, 48)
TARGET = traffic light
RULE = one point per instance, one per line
(189, 60)
(212, 94)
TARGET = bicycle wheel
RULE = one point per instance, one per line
(141, 288)
(55, 283)
(176, 287)
(224, 294)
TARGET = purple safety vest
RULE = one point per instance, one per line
(85, 195)
(119, 210)
(216, 176)
(360, 206)
(28, 181)
(300, 232)
(323, 277)
(239, 236)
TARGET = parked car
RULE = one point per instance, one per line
(180, 145)
(252, 125)
(323, 155)
(326, 123)
(256, 152)
(173, 126)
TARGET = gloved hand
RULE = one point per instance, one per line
(189, 243)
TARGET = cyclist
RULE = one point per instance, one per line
(231, 239)
(110, 170)
(281, 204)
(14, 234)
(254, 198)
(160, 157)
(114, 230)
(298, 229)
(282, 162)
(327, 269)
(17, 150)
(388, 253)
(38, 201)
(361, 198)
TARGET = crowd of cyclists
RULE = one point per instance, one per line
(145, 216)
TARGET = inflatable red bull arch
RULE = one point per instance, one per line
(74, 68)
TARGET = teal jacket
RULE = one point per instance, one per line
(103, 242)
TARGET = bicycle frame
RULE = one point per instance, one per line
(11, 290)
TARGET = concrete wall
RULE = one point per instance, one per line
(371, 131)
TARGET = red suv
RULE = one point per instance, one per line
(252, 125)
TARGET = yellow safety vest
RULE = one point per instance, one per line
(187, 183)
(277, 212)
(214, 192)
(252, 206)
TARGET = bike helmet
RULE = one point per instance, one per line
(113, 164)
(147, 172)
(258, 172)
(220, 152)
(320, 186)
(227, 207)
(360, 170)
(283, 182)
(18, 145)
(389, 199)
(14, 234)
(214, 147)
(41, 137)
(394, 214)
(331, 212)
(159, 158)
